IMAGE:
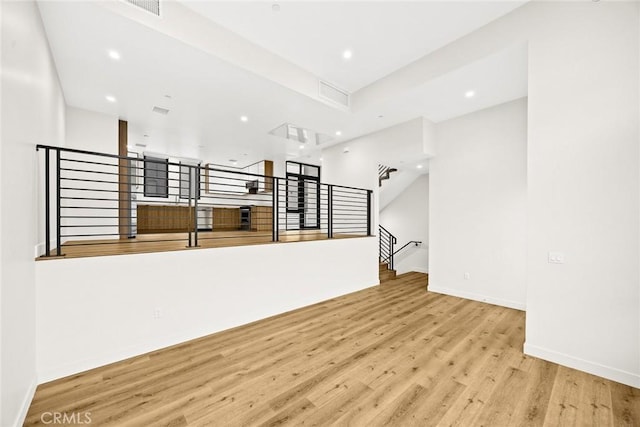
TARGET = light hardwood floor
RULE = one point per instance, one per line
(393, 354)
(164, 242)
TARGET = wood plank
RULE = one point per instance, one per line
(124, 189)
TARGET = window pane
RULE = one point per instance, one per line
(310, 170)
(156, 176)
(293, 167)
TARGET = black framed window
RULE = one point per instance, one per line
(303, 196)
(156, 177)
(184, 181)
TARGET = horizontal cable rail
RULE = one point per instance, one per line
(98, 200)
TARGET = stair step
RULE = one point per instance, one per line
(383, 266)
(387, 275)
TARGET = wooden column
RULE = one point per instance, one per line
(124, 187)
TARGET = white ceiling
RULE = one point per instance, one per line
(383, 35)
(208, 95)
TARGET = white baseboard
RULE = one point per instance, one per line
(420, 270)
(477, 297)
(39, 248)
(607, 372)
(26, 403)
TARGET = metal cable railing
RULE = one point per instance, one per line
(94, 199)
(384, 172)
(387, 242)
(386, 246)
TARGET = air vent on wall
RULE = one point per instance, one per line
(160, 110)
(151, 6)
(333, 94)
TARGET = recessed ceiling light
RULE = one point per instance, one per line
(419, 166)
(338, 133)
(347, 54)
(110, 98)
(469, 94)
(301, 146)
(168, 96)
(244, 118)
(346, 150)
(114, 54)
(145, 135)
(275, 7)
(380, 116)
(320, 158)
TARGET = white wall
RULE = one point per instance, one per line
(359, 167)
(395, 185)
(91, 131)
(94, 311)
(477, 206)
(32, 113)
(583, 176)
(407, 217)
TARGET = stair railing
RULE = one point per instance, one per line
(415, 242)
(384, 173)
(387, 243)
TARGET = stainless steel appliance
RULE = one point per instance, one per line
(245, 218)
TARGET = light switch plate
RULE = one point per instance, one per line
(556, 257)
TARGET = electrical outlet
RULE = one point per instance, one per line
(556, 258)
(467, 276)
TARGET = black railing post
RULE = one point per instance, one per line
(195, 200)
(330, 211)
(380, 243)
(275, 236)
(47, 203)
(58, 210)
(369, 212)
(390, 252)
(189, 200)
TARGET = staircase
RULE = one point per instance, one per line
(385, 273)
(384, 172)
(386, 245)
(387, 251)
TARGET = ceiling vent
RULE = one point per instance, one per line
(160, 110)
(151, 6)
(333, 94)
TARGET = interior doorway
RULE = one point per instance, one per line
(303, 196)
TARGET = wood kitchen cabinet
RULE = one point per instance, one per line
(226, 219)
(266, 184)
(261, 218)
(164, 219)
